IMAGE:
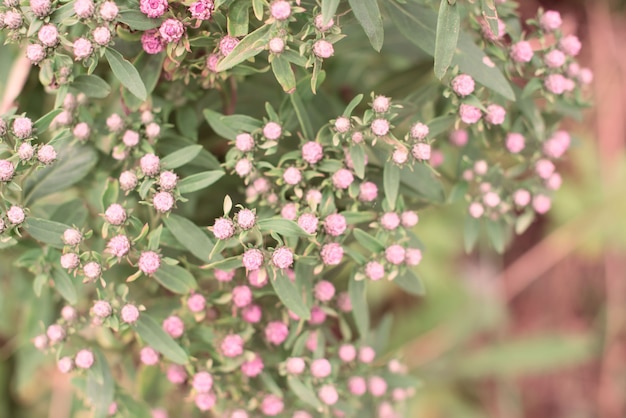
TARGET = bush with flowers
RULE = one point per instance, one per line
(203, 212)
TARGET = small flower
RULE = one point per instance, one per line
(554, 59)
(343, 178)
(128, 180)
(109, 11)
(390, 221)
(72, 236)
(242, 296)
(380, 127)
(469, 114)
(153, 8)
(40, 8)
(332, 254)
(419, 131)
(276, 332)
(550, 21)
(16, 215)
(82, 48)
(377, 386)
(323, 49)
(174, 326)
(342, 124)
(276, 45)
(176, 374)
(151, 42)
(368, 191)
(232, 346)
(400, 156)
(115, 214)
(48, 35)
(252, 368)
(335, 224)
(292, 176)
(319, 23)
(205, 401)
(272, 405)
(35, 53)
(280, 9)
(522, 52)
(246, 219)
(324, 291)
(244, 142)
(223, 228)
(167, 180)
(395, 254)
(46, 154)
(118, 246)
(153, 130)
(224, 276)
(65, 365)
(312, 152)
(421, 151)
(495, 114)
(84, 8)
(357, 385)
(115, 123)
(202, 9)
(252, 259)
(150, 164)
(149, 262)
(272, 131)
(282, 257)
(92, 270)
(149, 356)
(295, 365)
(328, 394)
(70, 261)
(55, 333)
(409, 219)
(171, 30)
(196, 303)
(308, 222)
(102, 309)
(347, 353)
(84, 359)
(7, 169)
(22, 127)
(102, 35)
(515, 142)
(381, 104)
(463, 85)
(130, 314)
(163, 202)
(476, 210)
(227, 44)
(374, 270)
(202, 382)
(321, 368)
(570, 44)
(252, 314)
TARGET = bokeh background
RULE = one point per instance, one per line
(538, 332)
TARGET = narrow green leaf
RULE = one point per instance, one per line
(422, 181)
(302, 113)
(189, 235)
(368, 15)
(282, 226)
(356, 291)
(225, 264)
(199, 181)
(253, 44)
(496, 231)
(238, 18)
(63, 12)
(175, 278)
(126, 73)
(391, 183)
(100, 385)
(230, 126)
(410, 283)
(471, 232)
(304, 392)
(352, 105)
(72, 165)
(329, 10)
(370, 243)
(110, 193)
(136, 20)
(64, 285)
(153, 335)
(91, 85)
(448, 27)
(491, 15)
(46, 231)
(180, 157)
(289, 295)
(257, 7)
(284, 73)
(357, 154)
(43, 123)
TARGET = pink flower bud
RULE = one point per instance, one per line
(295, 365)
(150, 164)
(252, 259)
(347, 353)
(102, 309)
(84, 8)
(324, 291)
(118, 246)
(65, 365)
(357, 385)
(381, 104)
(202, 9)
(82, 48)
(272, 131)
(70, 261)
(515, 142)
(319, 23)
(323, 49)
(374, 270)
(92, 270)
(522, 52)
(342, 124)
(171, 30)
(463, 85)
(35, 53)
(550, 21)
(196, 303)
(276, 332)
(242, 296)
(421, 151)
(282, 257)
(321, 368)
(252, 368)
(232, 346)
(205, 401)
(223, 228)
(413, 256)
(102, 35)
(554, 59)
(555, 83)
(395, 254)
(149, 262)
(130, 314)
(272, 405)
(469, 114)
(109, 10)
(312, 152)
(84, 359)
(163, 202)
(55, 333)
(72, 237)
(174, 326)
(366, 354)
(377, 386)
(495, 114)
(244, 142)
(328, 394)
(153, 8)
(202, 382)
(368, 191)
(151, 42)
(176, 374)
(476, 210)
(289, 211)
(292, 176)
(227, 44)
(252, 314)
(149, 356)
(380, 127)
(280, 9)
(335, 224)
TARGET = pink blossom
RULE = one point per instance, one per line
(282, 257)
(70, 261)
(196, 303)
(390, 221)
(323, 49)
(342, 124)
(308, 222)
(176, 374)
(163, 202)
(151, 42)
(174, 326)
(554, 59)
(167, 181)
(65, 365)
(7, 169)
(521, 197)
(469, 114)
(292, 176)
(276, 332)
(232, 345)
(366, 354)
(332, 254)
(328, 394)
(202, 9)
(312, 152)
(48, 35)
(335, 224)
(544, 168)
(227, 44)
(495, 114)
(130, 314)
(476, 210)
(343, 178)
(102, 35)
(92, 270)
(149, 262)
(280, 9)
(374, 270)
(150, 164)
(515, 142)
(357, 385)
(254, 367)
(491, 199)
(550, 21)
(46, 154)
(128, 180)
(395, 254)
(242, 296)
(381, 104)
(272, 405)
(55, 333)
(149, 356)
(459, 137)
(321, 368)
(419, 131)
(522, 52)
(347, 353)
(555, 83)
(319, 23)
(324, 291)
(272, 131)
(289, 211)
(421, 151)
(35, 53)
(252, 259)
(84, 359)
(252, 314)
(243, 167)
(82, 48)
(205, 401)
(109, 10)
(224, 276)
(244, 142)
(368, 191)
(115, 214)
(463, 85)
(380, 127)
(84, 8)
(377, 386)
(295, 365)
(171, 30)
(153, 8)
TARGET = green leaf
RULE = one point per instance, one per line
(284, 73)
(418, 24)
(253, 44)
(423, 181)
(64, 285)
(289, 295)
(527, 356)
(304, 392)
(369, 242)
(43, 123)
(410, 283)
(100, 385)
(190, 236)
(226, 264)
(230, 126)
(391, 183)
(329, 9)
(199, 181)
(302, 113)
(496, 231)
(282, 226)
(471, 232)
(154, 336)
(357, 154)
(91, 85)
(180, 157)
(110, 194)
(491, 15)
(72, 165)
(356, 291)
(524, 221)
(46, 231)
(136, 20)
(368, 15)
(257, 7)
(238, 18)
(353, 218)
(352, 105)
(448, 27)
(126, 73)
(175, 278)
(63, 12)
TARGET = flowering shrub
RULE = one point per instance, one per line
(263, 312)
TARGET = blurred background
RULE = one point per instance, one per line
(539, 332)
